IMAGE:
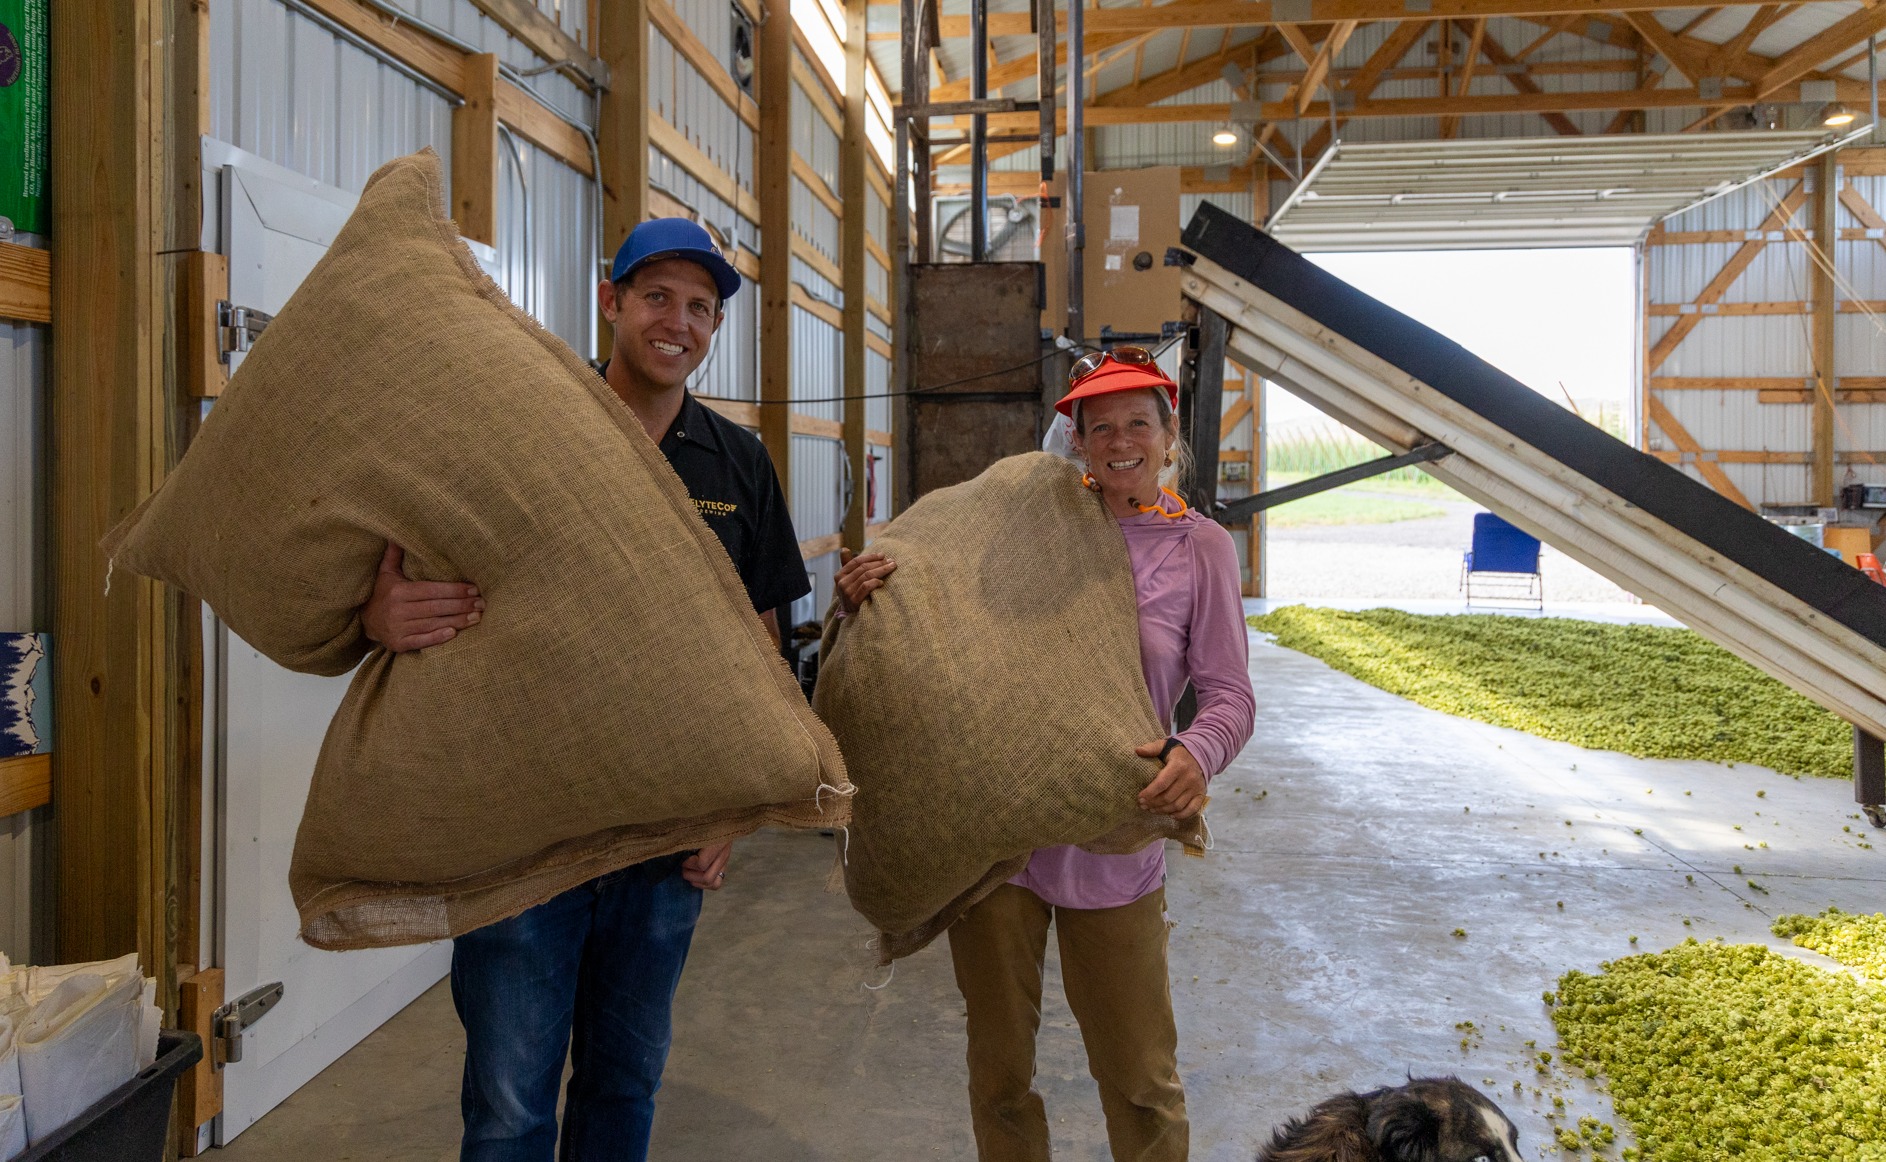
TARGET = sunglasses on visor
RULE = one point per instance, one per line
(1093, 361)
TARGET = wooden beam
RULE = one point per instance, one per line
(1792, 65)
(542, 36)
(809, 254)
(431, 58)
(775, 71)
(819, 546)
(622, 129)
(1796, 307)
(475, 152)
(206, 283)
(1241, 13)
(1804, 396)
(1822, 352)
(852, 256)
(802, 169)
(542, 128)
(1475, 41)
(127, 77)
(1724, 278)
(743, 412)
(1680, 436)
(199, 1090)
(25, 783)
(1664, 43)
(1476, 105)
(688, 156)
(25, 283)
(1319, 67)
(799, 297)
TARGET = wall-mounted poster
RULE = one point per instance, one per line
(23, 116)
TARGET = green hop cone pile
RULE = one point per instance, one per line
(1714, 1051)
(1645, 690)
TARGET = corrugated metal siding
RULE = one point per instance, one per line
(812, 137)
(1768, 346)
(732, 370)
(548, 273)
(25, 913)
(286, 89)
(289, 90)
(681, 96)
(812, 221)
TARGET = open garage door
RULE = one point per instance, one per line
(1781, 604)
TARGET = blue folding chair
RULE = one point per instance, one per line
(1502, 565)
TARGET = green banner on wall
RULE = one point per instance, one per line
(23, 114)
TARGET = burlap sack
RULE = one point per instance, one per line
(620, 699)
(989, 697)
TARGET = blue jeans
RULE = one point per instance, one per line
(601, 961)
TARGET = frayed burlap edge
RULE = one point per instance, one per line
(356, 915)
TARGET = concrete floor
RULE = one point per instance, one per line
(1314, 948)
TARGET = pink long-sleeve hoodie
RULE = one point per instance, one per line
(1191, 626)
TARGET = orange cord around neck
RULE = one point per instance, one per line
(1161, 510)
(1088, 482)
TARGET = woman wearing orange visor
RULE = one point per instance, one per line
(1109, 910)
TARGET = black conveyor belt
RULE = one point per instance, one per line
(1817, 578)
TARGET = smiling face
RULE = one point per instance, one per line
(664, 315)
(1124, 442)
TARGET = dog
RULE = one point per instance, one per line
(1431, 1119)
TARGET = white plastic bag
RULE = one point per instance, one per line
(77, 1045)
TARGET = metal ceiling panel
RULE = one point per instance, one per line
(1553, 191)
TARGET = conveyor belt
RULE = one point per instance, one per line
(1773, 599)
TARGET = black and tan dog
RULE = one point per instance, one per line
(1431, 1119)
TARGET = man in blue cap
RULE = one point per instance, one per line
(591, 974)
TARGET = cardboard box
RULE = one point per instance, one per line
(1850, 540)
(1131, 216)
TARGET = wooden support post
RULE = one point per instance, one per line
(475, 152)
(199, 1091)
(773, 169)
(1821, 292)
(127, 76)
(852, 192)
(1203, 411)
(622, 131)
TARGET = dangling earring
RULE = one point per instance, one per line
(1089, 483)
(1168, 459)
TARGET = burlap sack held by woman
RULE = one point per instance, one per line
(620, 700)
(989, 701)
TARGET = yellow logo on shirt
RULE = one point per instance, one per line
(709, 508)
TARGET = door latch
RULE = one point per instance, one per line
(228, 1023)
(237, 328)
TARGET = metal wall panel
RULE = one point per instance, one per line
(813, 221)
(732, 370)
(288, 89)
(668, 176)
(25, 912)
(548, 271)
(812, 138)
(818, 363)
(682, 97)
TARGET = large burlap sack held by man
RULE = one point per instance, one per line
(989, 697)
(620, 699)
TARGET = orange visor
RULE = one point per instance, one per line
(1111, 377)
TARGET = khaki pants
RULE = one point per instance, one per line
(1113, 963)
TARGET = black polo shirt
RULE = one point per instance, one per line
(731, 481)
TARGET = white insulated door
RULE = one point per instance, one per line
(266, 729)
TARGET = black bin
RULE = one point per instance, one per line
(132, 1122)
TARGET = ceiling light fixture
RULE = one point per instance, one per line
(1226, 135)
(1836, 114)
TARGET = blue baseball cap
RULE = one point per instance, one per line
(661, 238)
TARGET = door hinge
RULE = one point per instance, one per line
(228, 1023)
(237, 328)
